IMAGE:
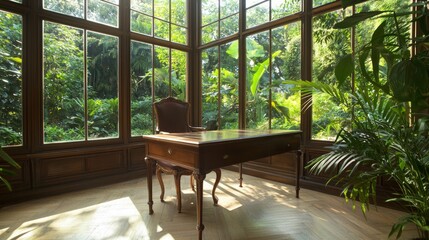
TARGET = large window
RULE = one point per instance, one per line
(220, 86)
(272, 58)
(11, 124)
(156, 72)
(329, 45)
(80, 84)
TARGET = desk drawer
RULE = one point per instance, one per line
(172, 153)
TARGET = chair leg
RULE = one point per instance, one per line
(218, 175)
(161, 183)
(178, 192)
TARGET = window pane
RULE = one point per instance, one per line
(178, 12)
(229, 86)
(102, 93)
(210, 81)
(143, 6)
(162, 29)
(161, 76)
(209, 11)
(258, 15)
(328, 46)
(250, 3)
(229, 26)
(11, 129)
(73, 8)
(63, 85)
(178, 74)
(102, 12)
(141, 23)
(228, 7)
(283, 8)
(257, 81)
(179, 34)
(18, 1)
(141, 89)
(162, 9)
(209, 33)
(286, 65)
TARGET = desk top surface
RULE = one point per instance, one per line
(205, 137)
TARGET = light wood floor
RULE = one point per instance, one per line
(260, 210)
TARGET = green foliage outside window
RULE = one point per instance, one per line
(10, 79)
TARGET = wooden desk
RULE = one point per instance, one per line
(202, 152)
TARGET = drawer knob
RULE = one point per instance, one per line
(225, 156)
(169, 151)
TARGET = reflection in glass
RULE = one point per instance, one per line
(102, 85)
(11, 130)
(141, 88)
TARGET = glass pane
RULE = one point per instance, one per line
(178, 12)
(210, 89)
(179, 34)
(162, 29)
(284, 8)
(73, 8)
(229, 86)
(18, 1)
(317, 3)
(63, 83)
(258, 15)
(141, 89)
(178, 74)
(328, 46)
(116, 2)
(102, 12)
(11, 129)
(209, 11)
(209, 33)
(229, 26)
(161, 73)
(257, 81)
(162, 9)
(141, 23)
(228, 7)
(143, 6)
(286, 65)
(102, 80)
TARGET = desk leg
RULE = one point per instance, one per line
(200, 180)
(240, 172)
(298, 171)
(149, 183)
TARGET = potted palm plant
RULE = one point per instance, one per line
(389, 136)
(5, 169)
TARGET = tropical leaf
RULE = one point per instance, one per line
(355, 19)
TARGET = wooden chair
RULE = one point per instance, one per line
(172, 117)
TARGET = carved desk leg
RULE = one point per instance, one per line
(298, 170)
(149, 183)
(199, 178)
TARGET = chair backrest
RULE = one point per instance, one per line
(171, 115)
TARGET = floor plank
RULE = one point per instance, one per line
(261, 209)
